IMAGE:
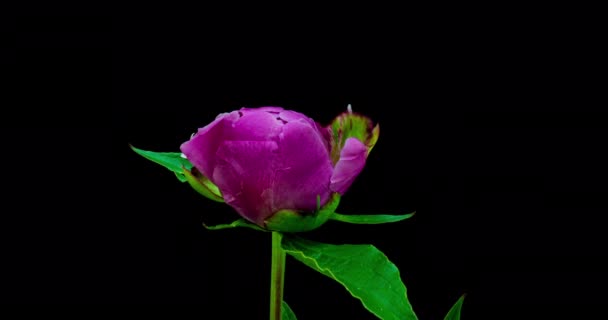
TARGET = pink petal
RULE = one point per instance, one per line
(350, 164)
(201, 148)
(267, 108)
(245, 175)
(304, 168)
(255, 126)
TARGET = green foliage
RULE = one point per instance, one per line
(184, 171)
(235, 224)
(362, 269)
(170, 160)
(454, 313)
(287, 313)
(370, 218)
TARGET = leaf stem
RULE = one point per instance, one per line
(277, 276)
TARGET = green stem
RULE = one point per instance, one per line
(277, 276)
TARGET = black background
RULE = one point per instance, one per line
(488, 131)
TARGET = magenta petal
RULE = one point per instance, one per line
(350, 164)
(303, 169)
(244, 176)
(255, 126)
(267, 109)
(289, 115)
(326, 136)
(200, 149)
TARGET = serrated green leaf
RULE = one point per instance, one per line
(370, 218)
(235, 224)
(287, 313)
(362, 269)
(454, 313)
(170, 160)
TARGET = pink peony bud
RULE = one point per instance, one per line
(268, 159)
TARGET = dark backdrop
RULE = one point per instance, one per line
(483, 133)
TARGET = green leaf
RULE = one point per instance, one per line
(454, 313)
(235, 224)
(287, 313)
(370, 218)
(362, 269)
(170, 160)
(184, 171)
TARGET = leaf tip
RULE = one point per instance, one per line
(136, 150)
(464, 295)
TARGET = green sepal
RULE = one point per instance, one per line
(454, 313)
(370, 218)
(170, 160)
(352, 125)
(294, 221)
(371, 142)
(235, 224)
(202, 185)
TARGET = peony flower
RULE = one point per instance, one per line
(267, 161)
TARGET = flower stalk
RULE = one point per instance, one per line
(277, 276)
